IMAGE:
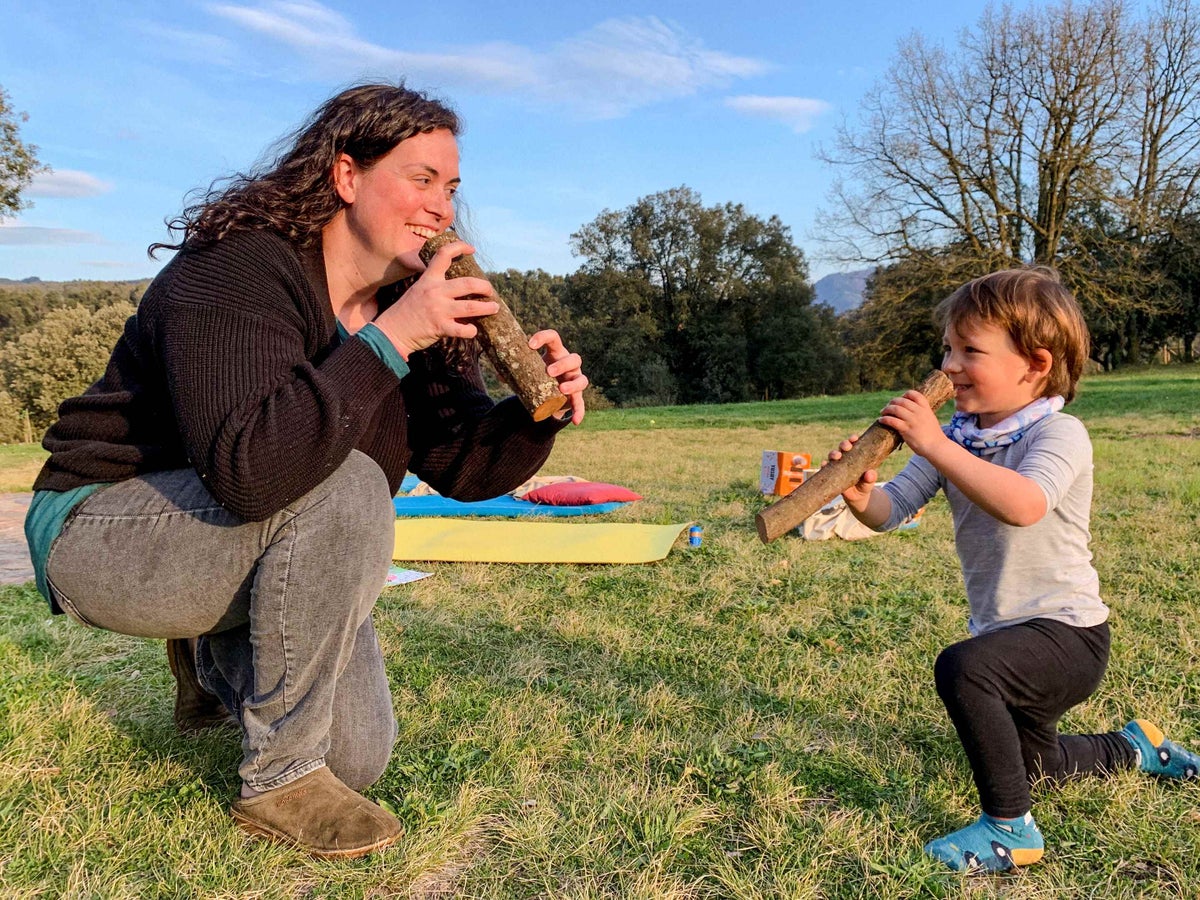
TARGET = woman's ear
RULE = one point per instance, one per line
(345, 177)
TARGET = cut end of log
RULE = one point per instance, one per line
(937, 388)
(761, 525)
(548, 408)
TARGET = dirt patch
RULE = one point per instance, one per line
(15, 567)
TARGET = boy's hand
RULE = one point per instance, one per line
(914, 420)
(859, 495)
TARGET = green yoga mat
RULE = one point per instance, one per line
(479, 540)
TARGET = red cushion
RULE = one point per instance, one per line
(580, 493)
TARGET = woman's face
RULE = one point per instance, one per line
(402, 200)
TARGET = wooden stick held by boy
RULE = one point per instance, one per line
(504, 342)
(833, 478)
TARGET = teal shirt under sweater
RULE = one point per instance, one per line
(49, 510)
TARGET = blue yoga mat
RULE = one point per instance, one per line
(506, 506)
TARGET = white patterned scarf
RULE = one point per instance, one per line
(964, 427)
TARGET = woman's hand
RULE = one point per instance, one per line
(564, 366)
(435, 308)
(858, 495)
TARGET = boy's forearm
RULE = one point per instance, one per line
(874, 510)
(1001, 493)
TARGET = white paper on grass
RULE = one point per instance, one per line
(397, 575)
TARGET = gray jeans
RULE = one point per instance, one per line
(285, 605)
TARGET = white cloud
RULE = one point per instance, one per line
(114, 264)
(66, 183)
(37, 236)
(328, 40)
(616, 66)
(190, 46)
(625, 63)
(798, 113)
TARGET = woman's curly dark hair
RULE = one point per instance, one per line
(295, 195)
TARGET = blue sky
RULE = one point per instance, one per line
(570, 108)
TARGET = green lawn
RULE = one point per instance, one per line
(735, 721)
(19, 465)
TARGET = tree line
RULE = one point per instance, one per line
(676, 302)
(1066, 135)
(55, 340)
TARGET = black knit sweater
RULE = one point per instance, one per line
(232, 366)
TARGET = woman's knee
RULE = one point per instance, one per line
(353, 507)
(360, 490)
(361, 765)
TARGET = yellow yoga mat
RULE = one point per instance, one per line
(477, 540)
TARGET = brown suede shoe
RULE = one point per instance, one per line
(195, 708)
(321, 816)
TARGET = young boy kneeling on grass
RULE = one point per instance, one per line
(1018, 476)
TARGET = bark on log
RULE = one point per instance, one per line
(876, 443)
(505, 344)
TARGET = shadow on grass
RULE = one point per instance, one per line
(124, 683)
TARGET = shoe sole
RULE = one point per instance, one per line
(259, 830)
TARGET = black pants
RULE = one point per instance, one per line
(1005, 692)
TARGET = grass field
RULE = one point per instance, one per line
(738, 720)
(19, 465)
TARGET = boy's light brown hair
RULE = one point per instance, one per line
(1035, 309)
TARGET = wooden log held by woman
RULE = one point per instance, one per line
(505, 344)
(835, 477)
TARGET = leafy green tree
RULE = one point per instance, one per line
(12, 420)
(23, 305)
(60, 357)
(18, 161)
(534, 298)
(670, 287)
(612, 327)
(1178, 260)
(787, 367)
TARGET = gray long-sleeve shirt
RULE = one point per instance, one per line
(1014, 574)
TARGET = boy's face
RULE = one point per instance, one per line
(992, 380)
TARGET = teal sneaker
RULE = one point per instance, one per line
(990, 845)
(1157, 755)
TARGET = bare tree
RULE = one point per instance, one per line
(989, 147)
(1158, 179)
(1066, 134)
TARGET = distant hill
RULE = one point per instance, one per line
(842, 290)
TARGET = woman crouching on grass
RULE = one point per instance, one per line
(231, 474)
(1018, 475)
